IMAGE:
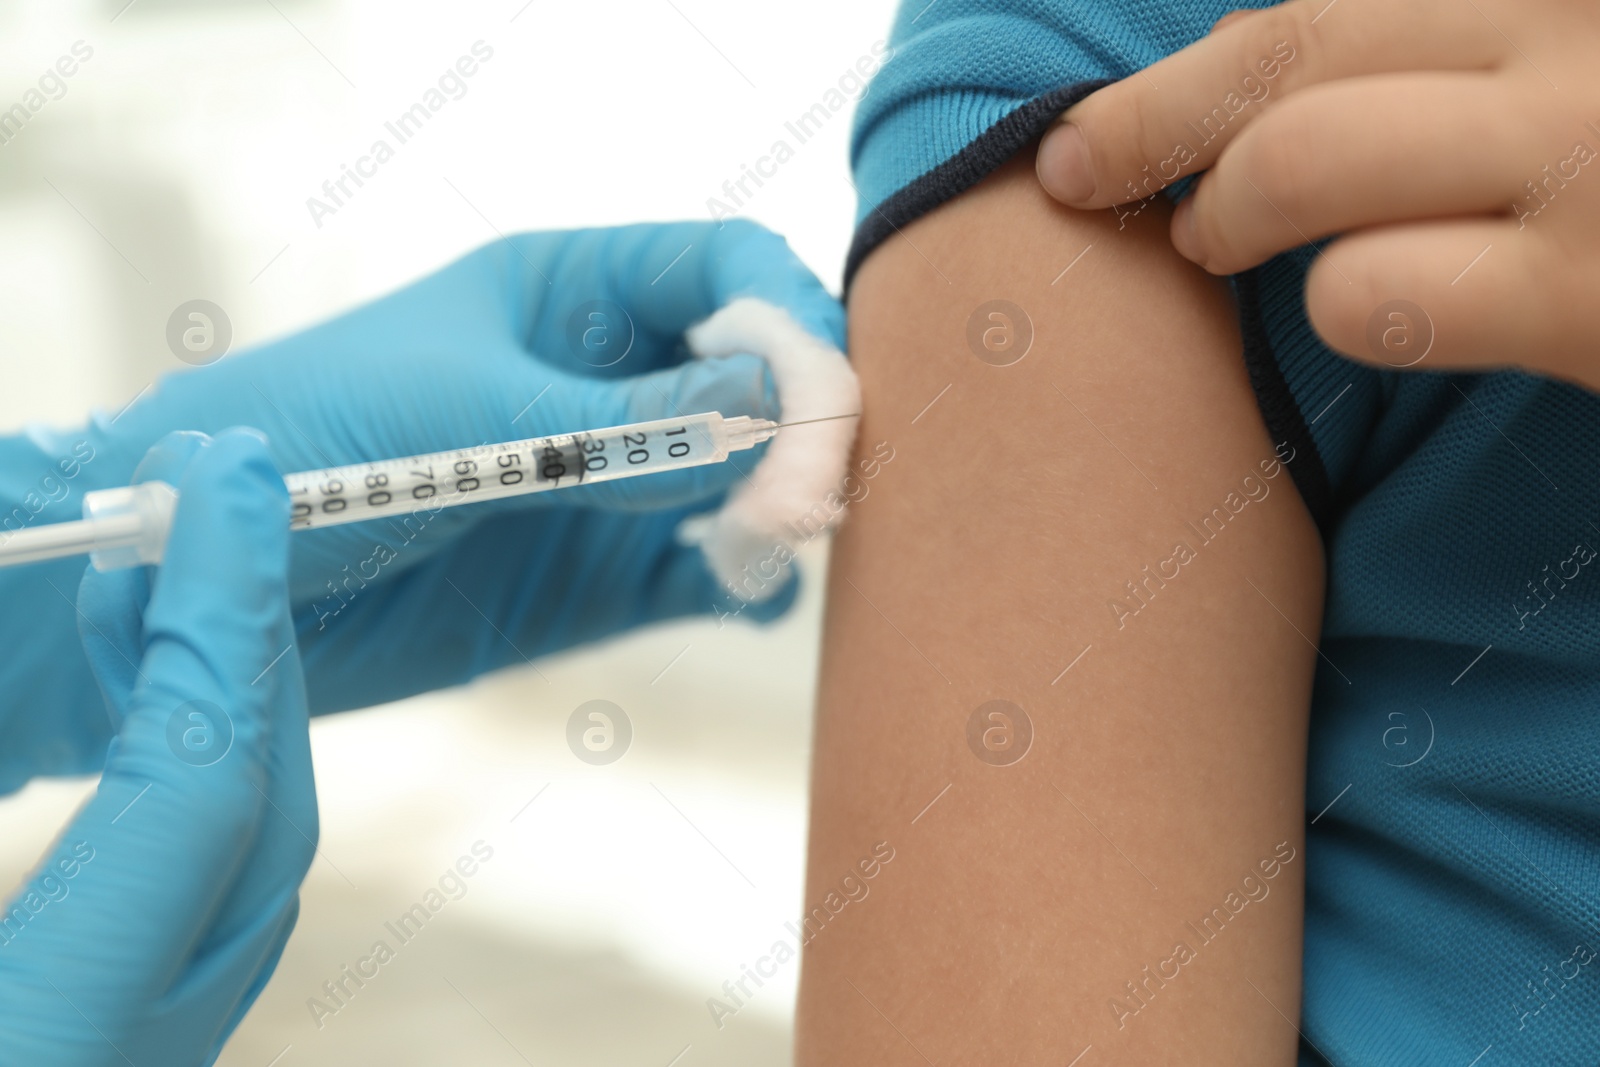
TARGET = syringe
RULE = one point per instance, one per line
(128, 526)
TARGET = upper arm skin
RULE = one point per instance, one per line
(1166, 765)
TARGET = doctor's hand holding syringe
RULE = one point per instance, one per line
(170, 929)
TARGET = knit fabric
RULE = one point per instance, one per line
(1453, 797)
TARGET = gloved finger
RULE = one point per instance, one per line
(111, 604)
(180, 801)
(265, 965)
(636, 576)
(215, 992)
(737, 385)
(685, 586)
(112, 630)
(239, 464)
(664, 278)
(252, 923)
(761, 264)
(612, 573)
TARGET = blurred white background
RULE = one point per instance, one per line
(177, 166)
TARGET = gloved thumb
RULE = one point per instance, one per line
(111, 603)
(183, 784)
(737, 385)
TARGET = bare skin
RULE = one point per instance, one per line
(1166, 765)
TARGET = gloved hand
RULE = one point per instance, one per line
(153, 923)
(506, 343)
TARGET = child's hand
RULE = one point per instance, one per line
(1455, 142)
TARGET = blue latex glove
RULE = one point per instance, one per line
(455, 359)
(153, 923)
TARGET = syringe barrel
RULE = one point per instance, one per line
(128, 526)
(361, 491)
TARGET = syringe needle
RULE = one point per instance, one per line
(825, 418)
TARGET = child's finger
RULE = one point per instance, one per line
(1130, 140)
(1478, 294)
(1363, 152)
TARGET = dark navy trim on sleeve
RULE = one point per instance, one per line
(995, 147)
(992, 148)
(1279, 409)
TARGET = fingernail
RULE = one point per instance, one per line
(1063, 164)
(1185, 237)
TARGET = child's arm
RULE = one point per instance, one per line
(1164, 783)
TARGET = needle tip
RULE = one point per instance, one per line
(826, 418)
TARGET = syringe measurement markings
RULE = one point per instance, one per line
(563, 456)
(126, 526)
(467, 465)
